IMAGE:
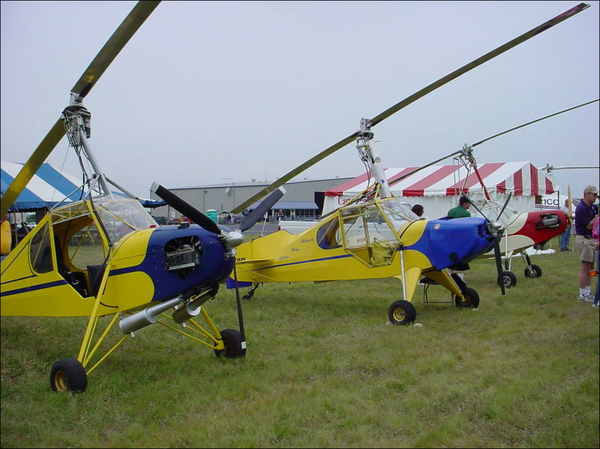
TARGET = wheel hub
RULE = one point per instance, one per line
(61, 381)
(399, 314)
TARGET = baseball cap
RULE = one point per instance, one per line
(590, 189)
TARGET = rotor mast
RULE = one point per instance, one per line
(78, 128)
(368, 153)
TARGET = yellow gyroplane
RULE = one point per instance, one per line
(374, 235)
(104, 255)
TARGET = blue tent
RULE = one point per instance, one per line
(47, 188)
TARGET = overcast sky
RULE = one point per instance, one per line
(209, 92)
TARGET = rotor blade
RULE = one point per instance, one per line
(113, 47)
(295, 172)
(392, 110)
(262, 208)
(32, 165)
(417, 170)
(492, 54)
(397, 180)
(552, 168)
(185, 209)
(498, 257)
(103, 59)
(534, 121)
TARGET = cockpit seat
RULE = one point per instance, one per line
(95, 273)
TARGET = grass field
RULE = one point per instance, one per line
(324, 369)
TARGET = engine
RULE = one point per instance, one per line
(548, 221)
(182, 255)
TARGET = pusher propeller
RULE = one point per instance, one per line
(82, 87)
(252, 218)
(185, 208)
(231, 239)
(411, 99)
(497, 229)
(498, 259)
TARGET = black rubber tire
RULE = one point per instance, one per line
(68, 375)
(508, 278)
(233, 345)
(470, 298)
(402, 312)
(534, 272)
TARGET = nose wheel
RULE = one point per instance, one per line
(508, 278)
(402, 312)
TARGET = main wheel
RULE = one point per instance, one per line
(533, 272)
(233, 345)
(508, 278)
(402, 312)
(470, 298)
(68, 374)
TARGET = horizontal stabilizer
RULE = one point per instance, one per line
(230, 283)
(256, 261)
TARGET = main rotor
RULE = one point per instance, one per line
(78, 115)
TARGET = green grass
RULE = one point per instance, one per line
(324, 369)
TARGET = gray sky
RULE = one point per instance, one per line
(209, 93)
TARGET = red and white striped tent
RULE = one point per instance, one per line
(437, 188)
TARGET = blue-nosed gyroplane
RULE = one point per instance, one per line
(522, 230)
(105, 255)
(374, 235)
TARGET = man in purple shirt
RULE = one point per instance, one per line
(585, 213)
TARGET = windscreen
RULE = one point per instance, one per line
(120, 216)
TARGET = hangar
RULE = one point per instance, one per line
(303, 199)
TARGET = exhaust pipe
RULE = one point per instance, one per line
(147, 316)
(191, 309)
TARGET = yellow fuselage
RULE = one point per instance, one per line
(283, 257)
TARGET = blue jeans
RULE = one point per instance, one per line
(565, 237)
(597, 278)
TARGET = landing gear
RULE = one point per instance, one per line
(250, 293)
(508, 278)
(402, 312)
(233, 345)
(470, 298)
(533, 271)
(68, 374)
